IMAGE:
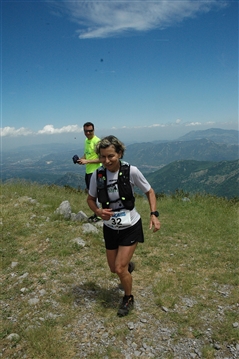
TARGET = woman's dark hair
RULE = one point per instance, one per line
(110, 141)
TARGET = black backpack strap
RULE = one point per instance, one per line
(102, 192)
(125, 189)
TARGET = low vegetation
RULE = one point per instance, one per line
(193, 259)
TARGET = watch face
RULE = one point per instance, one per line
(155, 213)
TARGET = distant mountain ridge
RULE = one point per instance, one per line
(216, 135)
(149, 156)
(220, 179)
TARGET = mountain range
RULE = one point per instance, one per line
(216, 135)
(205, 161)
(149, 156)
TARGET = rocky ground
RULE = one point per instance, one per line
(145, 336)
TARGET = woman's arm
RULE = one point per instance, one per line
(92, 204)
(154, 222)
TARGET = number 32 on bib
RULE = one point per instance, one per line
(119, 219)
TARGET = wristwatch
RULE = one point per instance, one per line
(155, 213)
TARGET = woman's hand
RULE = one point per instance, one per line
(105, 213)
(154, 222)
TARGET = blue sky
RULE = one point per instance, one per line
(141, 70)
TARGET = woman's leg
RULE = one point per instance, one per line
(111, 255)
(118, 261)
(124, 255)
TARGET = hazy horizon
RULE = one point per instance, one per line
(77, 140)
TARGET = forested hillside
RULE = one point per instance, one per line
(220, 178)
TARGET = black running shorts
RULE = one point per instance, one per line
(124, 237)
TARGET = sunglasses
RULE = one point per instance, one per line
(88, 131)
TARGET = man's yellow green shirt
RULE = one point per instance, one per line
(91, 155)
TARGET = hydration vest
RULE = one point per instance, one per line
(124, 187)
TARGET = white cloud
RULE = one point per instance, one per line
(193, 124)
(138, 127)
(47, 130)
(101, 19)
(50, 130)
(156, 125)
(13, 132)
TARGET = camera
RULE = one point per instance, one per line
(75, 158)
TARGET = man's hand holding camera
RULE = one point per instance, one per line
(75, 159)
(82, 161)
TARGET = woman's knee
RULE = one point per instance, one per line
(119, 269)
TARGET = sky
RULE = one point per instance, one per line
(140, 70)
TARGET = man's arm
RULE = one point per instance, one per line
(83, 161)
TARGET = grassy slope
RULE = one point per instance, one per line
(195, 256)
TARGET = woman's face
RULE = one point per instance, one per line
(110, 158)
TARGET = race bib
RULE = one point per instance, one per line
(119, 219)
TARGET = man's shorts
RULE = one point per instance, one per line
(87, 180)
(123, 237)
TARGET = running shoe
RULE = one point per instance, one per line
(94, 218)
(131, 267)
(126, 305)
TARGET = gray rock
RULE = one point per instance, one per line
(99, 224)
(131, 325)
(87, 228)
(25, 275)
(27, 199)
(14, 264)
(13, 336)
(64, 209)
(79, 241)
(33, 301)
(42, 292)
(51, 316)
(73, 217)
(80, 216)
